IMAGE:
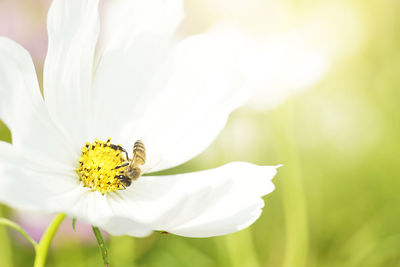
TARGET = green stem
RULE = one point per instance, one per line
(241, 249)
(7, 222)
(44, 244)
(102, 245)
(294, 201)
(6, 258)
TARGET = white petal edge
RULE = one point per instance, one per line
(73, 29)
(23, 186)
(122, 226)
(200, 204)
(22, 108)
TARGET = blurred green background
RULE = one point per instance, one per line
(337, 197)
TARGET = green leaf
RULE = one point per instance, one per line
(102, 245)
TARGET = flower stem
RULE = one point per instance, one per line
(7, 222)
(44, 244)
(102, 245)
(6, 258)
(294, 201)
(241, 249)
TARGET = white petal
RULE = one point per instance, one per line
(23, 186)
(135, 42)
(124, 20)
(192, 105)
(34, 134)
(73, 27)
(122, 84)
(207, 203)
(122, 226)
(95, 209)
(240, 220)
(180, 106)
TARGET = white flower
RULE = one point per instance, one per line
(141, 85)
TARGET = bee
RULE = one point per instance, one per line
(133, 167)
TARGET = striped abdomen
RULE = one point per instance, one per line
(139, 153)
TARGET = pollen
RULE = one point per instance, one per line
(97, 166)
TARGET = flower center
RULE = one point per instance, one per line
(97, 166)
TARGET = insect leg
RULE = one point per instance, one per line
(122, 165)
(120, 148)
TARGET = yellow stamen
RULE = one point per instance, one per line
(97, 167)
